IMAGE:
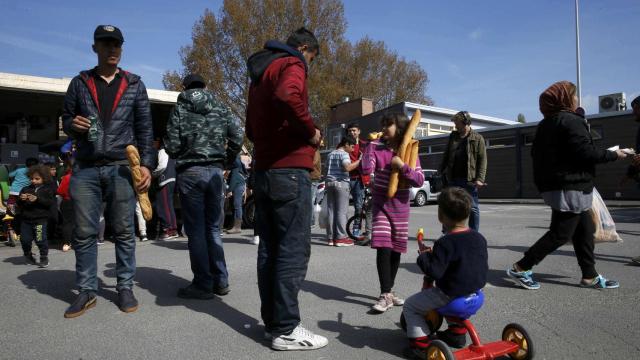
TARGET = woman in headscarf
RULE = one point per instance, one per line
(564, 159)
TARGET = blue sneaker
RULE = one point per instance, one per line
(601, 283)
(523, 278)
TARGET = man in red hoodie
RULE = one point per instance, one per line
(285, 139)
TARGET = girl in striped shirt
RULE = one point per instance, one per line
(390, 216)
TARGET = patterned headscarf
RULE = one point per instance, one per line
(558, 97)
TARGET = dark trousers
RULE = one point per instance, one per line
(34, 231)
(164, 207)
(387, 262)
(565, 226)
(283, 207)
(474, 217)
(201, 190)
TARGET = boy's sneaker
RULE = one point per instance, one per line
(330, 242)
(397, 301)
(30, 259)
(299, 339)
(85, 301)
(452, 339)
(523, 278)
(601, 283)
(343, 242)
(100, 241)
(143, 238)
(255, 240)
(44, 262)
(384, 302)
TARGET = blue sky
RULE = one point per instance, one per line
(490, 57)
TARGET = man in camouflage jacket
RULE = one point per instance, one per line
(203, 137)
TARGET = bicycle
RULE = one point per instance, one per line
(362, 216)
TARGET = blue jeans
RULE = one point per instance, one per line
(357, 193)
(283, 224)
(88, 187)
(201, 190)
(238, 200)
(474, 218)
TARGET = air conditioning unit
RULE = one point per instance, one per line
(612, 102)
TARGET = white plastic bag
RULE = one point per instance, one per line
(324, 213)
(605, 227)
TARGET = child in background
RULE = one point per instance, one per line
(35, 208)
(390, 216)
(66, 208)
(20, 180)
(459, 265)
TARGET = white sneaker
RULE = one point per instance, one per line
(384, 302)
(299, 339)
(255, 240)
(397, 301)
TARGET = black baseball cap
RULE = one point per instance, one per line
(103, 32)
(193, 81)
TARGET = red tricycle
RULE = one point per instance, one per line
(515, 342)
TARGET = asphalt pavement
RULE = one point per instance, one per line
(564, 320)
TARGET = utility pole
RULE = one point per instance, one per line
(578, 54)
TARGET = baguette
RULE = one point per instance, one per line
(143, 197)
(402, 152)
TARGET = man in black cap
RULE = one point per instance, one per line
(105, 110)
(634, 169)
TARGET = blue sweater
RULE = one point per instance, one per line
(459, 263)
(20, 180)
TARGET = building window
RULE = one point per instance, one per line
(436, 149)
(422, 130)
(501, 142)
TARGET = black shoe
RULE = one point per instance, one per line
(363, 242)
(30, 259)
(10, 243)
(457, 341)
(193, 292)
(85, 301)
(126, 301)
(222, 291)
(44, 262)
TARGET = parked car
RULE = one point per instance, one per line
(423, 195)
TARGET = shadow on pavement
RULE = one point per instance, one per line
(172, 244)
(59, 284)
(392, 341)
(329, 292)
(16, 260)
(163, 284)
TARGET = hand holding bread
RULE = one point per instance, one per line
(141, 178)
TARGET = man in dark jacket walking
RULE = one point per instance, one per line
(105, 110)
(285, 139)
(204, 138)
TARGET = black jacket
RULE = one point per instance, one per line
(459, 263)
(564, 155)
(40, 210)
(130, 122)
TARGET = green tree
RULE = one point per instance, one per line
(221, 43)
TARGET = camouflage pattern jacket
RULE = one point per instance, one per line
(202, 131)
